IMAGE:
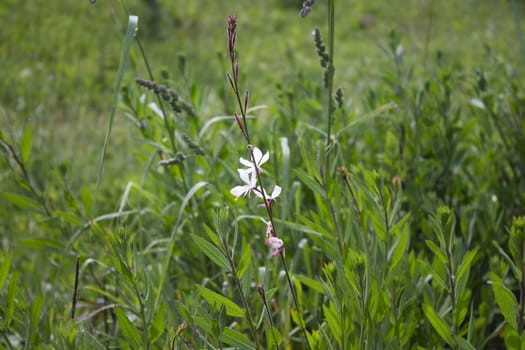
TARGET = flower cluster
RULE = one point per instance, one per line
(249, 176)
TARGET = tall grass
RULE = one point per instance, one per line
(394, 222)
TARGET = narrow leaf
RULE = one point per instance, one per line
(129, 331)
(11, 298)
(464, 268)
(36, 311)
(237, 339)
(211, 252)
(311, 183)
(311, 283)
(20, 201)
(217, 300)
(124, 59)
(333, 320)
(505, 299)
(439, 325)
(437, 251)
(26, 145)
(399, 248)
(4, 269)
(245, 261)
(158, 324)
(464, 344)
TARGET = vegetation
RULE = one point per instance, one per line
(199, 175)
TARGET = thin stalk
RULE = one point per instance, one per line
(387, 233)
(145, 339)
(522, 300)
(294, 297)
(330, 69)
(452, 287)
(262, 294)
(169, 129)
(233, 79)
(239, 288)
(167, 125)
(75, 290)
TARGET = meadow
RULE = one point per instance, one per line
(262, 174)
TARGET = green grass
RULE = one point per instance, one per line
(402, 230)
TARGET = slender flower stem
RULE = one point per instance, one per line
(241, 121)
(295, 298)
(241, 293)
(262, 294)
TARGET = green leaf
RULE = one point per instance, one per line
(512, 339)
(36, 311)
(4, 269)
(507, 258)
(275, 337)
(26, 145)
(464, 268)
(505, 299)
(217, 300)
(129, 331)
(212, 235)
(399, 248)
(124, 60)
(20, 201)
(69, 217)
(157, 325)
(439, 325)
(462, 306)
(463, 344)
(41, 243)
(311, 183)
(237, 339)
(211, 252)
(333, 320)
(314, 104)
(87, 199)
(426, 266)
(122, 266)
(437, 251)
(245, 261)
(311, 283)
(11, 298)
(297, 317)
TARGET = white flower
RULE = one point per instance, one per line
(276, 244)
(249, 179)
(259, 158)
(270, 198)
(269, 228)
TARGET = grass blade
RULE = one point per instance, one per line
(124, 59)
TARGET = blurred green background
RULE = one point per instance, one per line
(59, 58)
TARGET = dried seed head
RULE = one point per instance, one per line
(307, 7)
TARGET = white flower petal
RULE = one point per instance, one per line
(274, 242)
(247, 163)
(259, 192)
(257, 155)
(238, 191)
(245, 175)
(264, 159)
(276, 192)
